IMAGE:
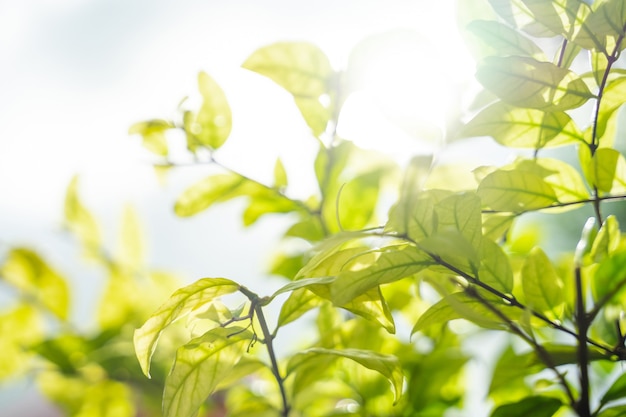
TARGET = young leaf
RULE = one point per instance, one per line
(610, 278)
(213, 189)
(30, 273)
(502, 40)
(542, 286)
(304, 71)
(615, 392)
(181, 303)
(461, 212)
(526, 82)
(612, 99)
(387, 365)
(515, 191)
(80, 221)
(495, 269)
(530, 406)
(452, 248)
(603, 168)
(561, 176)
(608, 239)
(516, 13)
(390, 265)
(153, 134)
(299, 302)
(617, 411)
(199, 367)
(212, 124)
(523, 128)
(131, 245)
(608, 19)
(280, 175)
(20, 326)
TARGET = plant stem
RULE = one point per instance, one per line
(583, 354)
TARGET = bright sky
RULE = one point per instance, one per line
(75, 74)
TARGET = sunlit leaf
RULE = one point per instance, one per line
(495, 269)
(303, 70)
(515, 191)
(612, 99)
(153, 134)
(616, 391)
(31, 274)
(389, 266)
(607, 240)
(357, 201)
(131, 246)
(280, 175)
(496, 225)
(80, 221)
(501, 40)
(20, 327)
(387, 365)
(459, 305)
(452, 249)
(610, 278)
(526, 82)
(524, 128)
(517, 14)
(199, 367)
(564, 179)
(529, 406)
(617, 411)
(211, 125)
(213, 189)
(608, 19)
(299, 302)
(329, 255)
(603, 168)
(542, 286)
(181, 303)
(462, 213)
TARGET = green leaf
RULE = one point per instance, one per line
(387, 365)
(610, 278)
(304, 71)
(517, 14)
(80, 221)
(280, 175)
(569, 19)
(199, 367)
(20, 326)
(523, 128)
(615, 392)
(617, 411)
(131, 252)
(153, 134)
(612, 99)
(564, 179)
(607, 240)
(462, 213)
(603, 169)
(413, 213)
(529, 406)
(211, 190)
(31, 274)
(515, 191)
(501, 40)
(526, 82)
(212, 124)
(390, 265)
(357, 201)
(496, 225)
(542, 286)
(459, 305)
(608, 18)
(453, 251)
(181, 303)
(495, 268)
(299, 302)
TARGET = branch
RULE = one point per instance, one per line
(583, 354)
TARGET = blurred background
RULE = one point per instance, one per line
(76, 74)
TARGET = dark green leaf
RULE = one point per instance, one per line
(529, 406)
(615, 392)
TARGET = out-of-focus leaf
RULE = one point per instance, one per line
(20, 327)
(616, 391)
(607, 240)
(501, 40)
(524, 128)
(603, 168)
(617, 411)
(496, 225)
(608, 19)
(30, 273)
(280, 175)
(495, 269)
(387, 365)
(211, 125)
(153, 134)
(515, 191)
(299, 302)
(131, 246)
(526, 82)
(529, 406)
(181, 303)
(80, 221)
(213, 189)
(304, 71)
(612, 99)
(199, 367)
(516, 13)
(610, 277)
(564, 179)
(451, 247)
(357, 201)
(543, 287)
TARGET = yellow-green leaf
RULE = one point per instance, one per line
(280, 175)
(181, 303)
(20, 327)
(542, 285)
(131, 250)
(523, 128)
(387, 365)
(304, 71)
(80, 221)
(153, 134)
(515, 191)
(501, 40)
(495, 269)
(206, 192)
(517, 14)
(199, 367)
(31, 274)
(526, 82)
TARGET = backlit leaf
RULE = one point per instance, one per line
(524, 128)
(542, 286)
(564, 179)
(462, 213)
(529, 406)
(607, 240)
(608, 18)
(80, 221)
(389, 266)
(603, 168)
(31, 274)
(212, 124)
(452, 250)
(515, 191)
(181, 303)
(617, 411)
(299, 302)
(502, 40)
(206, 192)
(610, 278)
(153, 134)
(387, 365)
(616, 391)
(304, 71)
(517, 14)
(21, 326)
(526, 82)
(131, 245)
(199, 367)
(613, 97)
(280, 175)
(495, 269)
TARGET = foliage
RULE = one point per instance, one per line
(438, 255)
